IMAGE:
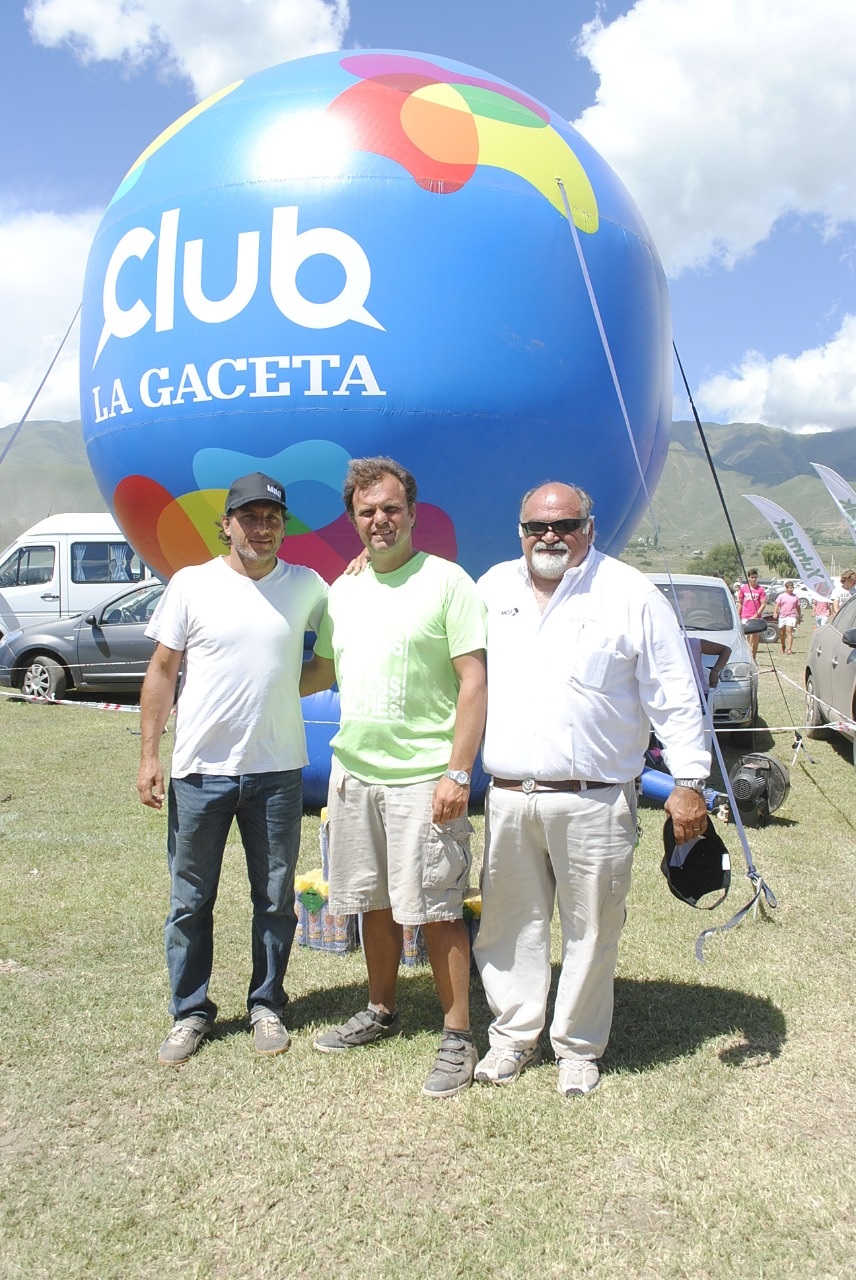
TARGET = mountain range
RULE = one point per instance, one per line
(46, 470)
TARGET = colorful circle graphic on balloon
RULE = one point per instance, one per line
(369, 253)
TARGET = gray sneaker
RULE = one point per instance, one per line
(453, 1067)
(577, 1076)
(270, 1036)
(504, 1065)
(182, 1042)
(366, 1027)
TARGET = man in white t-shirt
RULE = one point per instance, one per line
(237, 625)
(584, 655)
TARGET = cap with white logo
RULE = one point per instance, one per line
(254, 488)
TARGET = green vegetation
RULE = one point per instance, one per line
(721, 561)
(721, 1142)
(776, 558)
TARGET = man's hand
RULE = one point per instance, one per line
(688, 812)
(450, 800)
(150, 783)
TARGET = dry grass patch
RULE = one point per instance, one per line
(720, 1143)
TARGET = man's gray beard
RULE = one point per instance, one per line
(550, 564)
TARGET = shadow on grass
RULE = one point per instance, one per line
(656, 1021)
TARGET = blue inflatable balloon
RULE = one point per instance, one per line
(363, 253)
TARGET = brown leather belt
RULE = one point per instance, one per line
(530, 784)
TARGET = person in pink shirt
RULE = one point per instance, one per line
(750, 602)
(787, 614)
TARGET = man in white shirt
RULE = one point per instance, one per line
(238, 624)
(584, 657)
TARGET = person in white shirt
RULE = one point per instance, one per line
(843, 590)
(584, 657)
(237, 623)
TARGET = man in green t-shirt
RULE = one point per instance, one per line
(405, 640)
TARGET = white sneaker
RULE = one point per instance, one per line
(504, 1065)
(577, 1076)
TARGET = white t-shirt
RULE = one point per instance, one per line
(573, 691)
(239, 707)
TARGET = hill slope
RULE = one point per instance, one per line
(46, 470)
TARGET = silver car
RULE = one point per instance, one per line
(105, 649)
(705, 607)
(830, 676)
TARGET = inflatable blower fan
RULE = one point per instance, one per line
(760, 784)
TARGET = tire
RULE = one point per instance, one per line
(771, 635)
(44, 677)
(815, 727)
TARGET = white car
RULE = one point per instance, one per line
(705, 608)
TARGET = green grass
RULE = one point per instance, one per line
(720, 1143)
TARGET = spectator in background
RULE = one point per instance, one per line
(844, 590)
(787, 615)
(821, 610)
(750, 603)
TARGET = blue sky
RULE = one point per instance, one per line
(731, 123)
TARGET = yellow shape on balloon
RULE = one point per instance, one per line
(541, 157)
(179, 124)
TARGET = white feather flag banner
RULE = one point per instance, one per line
(841, 494)
(797, 543)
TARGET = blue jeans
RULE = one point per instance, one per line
(269, 809)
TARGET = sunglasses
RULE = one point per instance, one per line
(535, 528)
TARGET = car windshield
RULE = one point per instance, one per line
(700, 608)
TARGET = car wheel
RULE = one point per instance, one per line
(771, 635)
(44, 678)
(815, 727)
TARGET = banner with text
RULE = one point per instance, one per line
(798, 545)
(841, 494)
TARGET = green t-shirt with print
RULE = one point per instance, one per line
(393, 637)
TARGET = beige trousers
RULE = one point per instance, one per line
(541, 849)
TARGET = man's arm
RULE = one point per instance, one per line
(316, 674)
(450, 799)
(156, 699)
(688, 811)
(723, 653)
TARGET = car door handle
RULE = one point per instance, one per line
(48, 595)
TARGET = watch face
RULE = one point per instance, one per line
(459, 776)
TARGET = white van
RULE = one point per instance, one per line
(63, 565)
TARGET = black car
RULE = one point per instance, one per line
(105, 649)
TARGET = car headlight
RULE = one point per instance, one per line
(736, 671)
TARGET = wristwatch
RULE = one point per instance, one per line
(458, 775)
(694, 784)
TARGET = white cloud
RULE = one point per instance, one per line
(721, 117)
(209, 42)
(42, 263)
(814, 390)
(43, 256)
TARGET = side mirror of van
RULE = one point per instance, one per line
(91, 619)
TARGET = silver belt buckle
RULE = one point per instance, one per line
(528, 785)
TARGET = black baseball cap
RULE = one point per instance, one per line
(698, 867)
(255, 487)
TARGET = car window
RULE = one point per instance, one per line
(702, 607)
(137, 606)
(845, 618)
(28, 567)
(105, 562)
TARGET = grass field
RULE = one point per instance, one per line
(721, 1143)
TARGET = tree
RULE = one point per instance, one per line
(722, 561)
(776, 558)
